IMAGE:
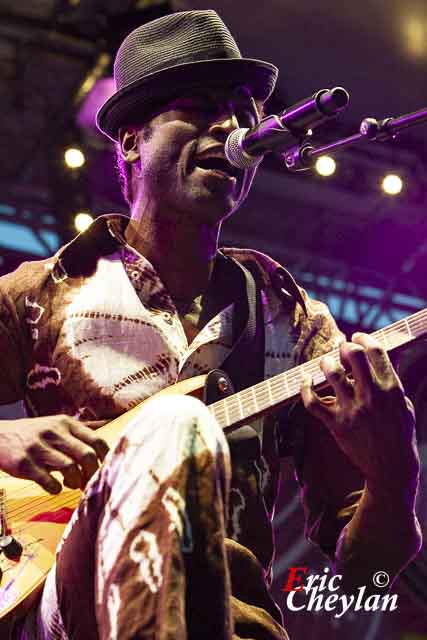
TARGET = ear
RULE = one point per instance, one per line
(128, 141)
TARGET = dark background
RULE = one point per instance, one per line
(363, 252)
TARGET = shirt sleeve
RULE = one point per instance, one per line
(331, 485)
(12, 367)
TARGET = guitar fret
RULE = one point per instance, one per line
(239, 400)
(254, 398)
(285, 377)
(383, 338)
(233, 409)
(294, 385)
(227, 417)
(218, 412)
(270, 393)
(3, 515)
(262, 392)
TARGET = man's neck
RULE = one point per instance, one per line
(182, 254)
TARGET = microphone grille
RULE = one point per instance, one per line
(235, 153)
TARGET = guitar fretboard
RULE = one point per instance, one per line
(285, 387)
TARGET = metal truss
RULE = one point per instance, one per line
(27, 232)
(357, 299)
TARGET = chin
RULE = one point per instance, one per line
(213, 207)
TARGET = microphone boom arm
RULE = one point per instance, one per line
(303, 155)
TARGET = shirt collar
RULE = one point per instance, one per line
(106, 234)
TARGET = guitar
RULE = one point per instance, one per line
(37, 519)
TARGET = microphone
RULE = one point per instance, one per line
(245, 148)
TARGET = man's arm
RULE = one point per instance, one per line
(373, 425)
(32, 448)
(383, 535)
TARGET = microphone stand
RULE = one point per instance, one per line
(302, 156)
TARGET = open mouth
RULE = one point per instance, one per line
(218, 165)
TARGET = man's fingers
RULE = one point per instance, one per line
(74, 478)
(85, 434)
(377, 355)
(61, 459)
(95, 424)
(83, 455)
(46, 481)
(82, 445)
(322, 408)
(32, 471)
(355, 359)
(337, 377)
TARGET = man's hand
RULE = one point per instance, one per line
(369, 417)
(32, 448)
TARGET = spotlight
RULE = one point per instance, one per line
(325, 166)
(82, 221)
(392, 184)
(74, 158)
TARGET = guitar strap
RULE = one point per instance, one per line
(245, 363)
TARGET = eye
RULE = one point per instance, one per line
(187, 104)
(196, 103)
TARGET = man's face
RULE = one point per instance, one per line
(182, 163)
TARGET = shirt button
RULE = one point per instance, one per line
(167, 317)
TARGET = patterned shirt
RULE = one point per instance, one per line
(93, 331)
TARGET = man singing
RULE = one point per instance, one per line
(172, 537)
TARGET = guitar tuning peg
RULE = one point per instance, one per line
(11, 548)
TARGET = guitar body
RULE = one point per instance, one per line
(37, 521)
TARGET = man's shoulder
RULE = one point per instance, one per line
(277, 280)
(75, 257)
(29, 276)
(309, 316)
(265, 265)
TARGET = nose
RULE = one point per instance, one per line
(223, 126)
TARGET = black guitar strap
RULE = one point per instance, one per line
(245, 363)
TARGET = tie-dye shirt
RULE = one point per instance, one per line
(93, 331)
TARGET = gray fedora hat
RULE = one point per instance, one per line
(178, 52)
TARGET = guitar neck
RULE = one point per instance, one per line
(284, 388)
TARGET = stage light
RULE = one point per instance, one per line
(82, 221)
(392, 184)
(325, 166)
(74, 158)
(414, 32)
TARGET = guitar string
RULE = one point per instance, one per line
(246, 399)
(246, 396)
(47, 501)
(312, 365)
(291, 376)
(27, 523)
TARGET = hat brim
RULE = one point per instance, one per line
(134, 102)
